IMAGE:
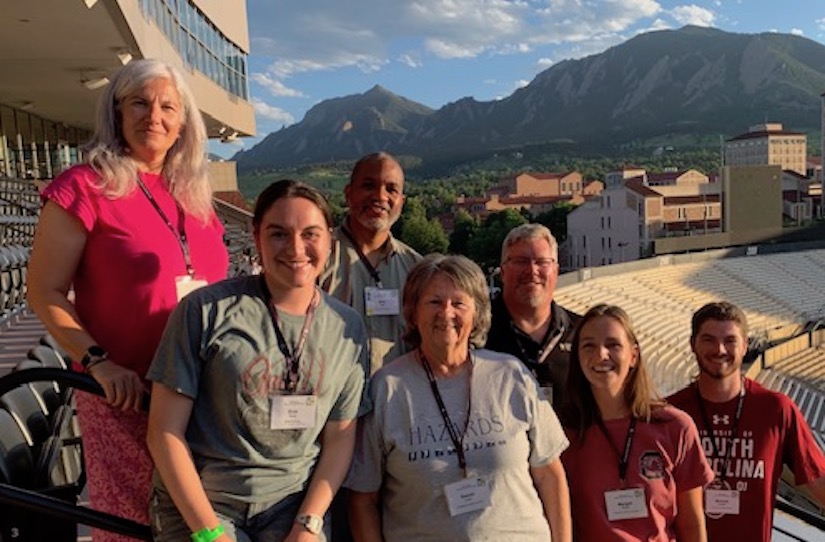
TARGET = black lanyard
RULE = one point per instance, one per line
(624, 457)
(293, 358)
(179, 232)
(361, 256)
(458, 439)
(706, 421)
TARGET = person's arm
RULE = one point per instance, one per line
(551, 484)
(365, 516)
(817, 487)
(169, 415)
(690, 516)
(337, 446)
(58, 248)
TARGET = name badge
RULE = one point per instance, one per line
(468, 495)
(186, 284)
(722, 501)
(293, 411)
(381, 301)
(625, 504)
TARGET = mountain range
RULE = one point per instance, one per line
(695, 80)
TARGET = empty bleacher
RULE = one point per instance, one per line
(797, 369)
(237, 224)
(778, 292)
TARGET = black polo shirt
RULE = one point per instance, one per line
(549, 368)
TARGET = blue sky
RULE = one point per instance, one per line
(439, 51)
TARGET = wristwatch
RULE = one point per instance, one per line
(94, 355)
(311, 523)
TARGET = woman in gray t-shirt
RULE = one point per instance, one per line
(460, 444)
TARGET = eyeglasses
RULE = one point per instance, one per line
(541, 263)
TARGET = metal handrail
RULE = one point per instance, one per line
(44, 504)
(64, 377)
(52, 506)
(811, 518)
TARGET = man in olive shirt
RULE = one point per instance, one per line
(527, 323)
(368, 266)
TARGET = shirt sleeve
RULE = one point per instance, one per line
(367, 470)
(354, 401)
(547, 438)
(692, 468)
(801, 451)
(178, 362)
(75, 193)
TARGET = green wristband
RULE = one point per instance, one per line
(208, 535)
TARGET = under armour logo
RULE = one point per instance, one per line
(717, 419)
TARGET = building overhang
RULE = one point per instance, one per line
(55, 54)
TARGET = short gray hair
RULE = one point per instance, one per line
(466, 275)
(529, 231)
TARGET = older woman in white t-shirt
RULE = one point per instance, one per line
(460, 444)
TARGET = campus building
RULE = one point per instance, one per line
(637, 208)
(533, 192)
(768, 145)
(641, 214)
(58, 55)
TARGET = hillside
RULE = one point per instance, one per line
(698, 81)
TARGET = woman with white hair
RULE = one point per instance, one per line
(130, 231)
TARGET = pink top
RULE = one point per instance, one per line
(125, 282)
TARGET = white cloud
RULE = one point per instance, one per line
(412, 60)
(271, 112)
(658, 24)
(276, 88)
(444, 49)
(820, 23)
(693, 14)
(544, 63)
(521, 83)
(797, 32)
(316, 35)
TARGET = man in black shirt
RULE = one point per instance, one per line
(527, 323)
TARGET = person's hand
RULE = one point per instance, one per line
(123, 387)
(300, 534)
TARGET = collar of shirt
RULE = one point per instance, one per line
(557, 319)
(386, 251)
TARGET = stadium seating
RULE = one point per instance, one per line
(778, 292)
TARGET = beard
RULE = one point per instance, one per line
(719, 371)
(378, 223)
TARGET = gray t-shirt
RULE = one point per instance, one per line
(220, 349)
(405, 452)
